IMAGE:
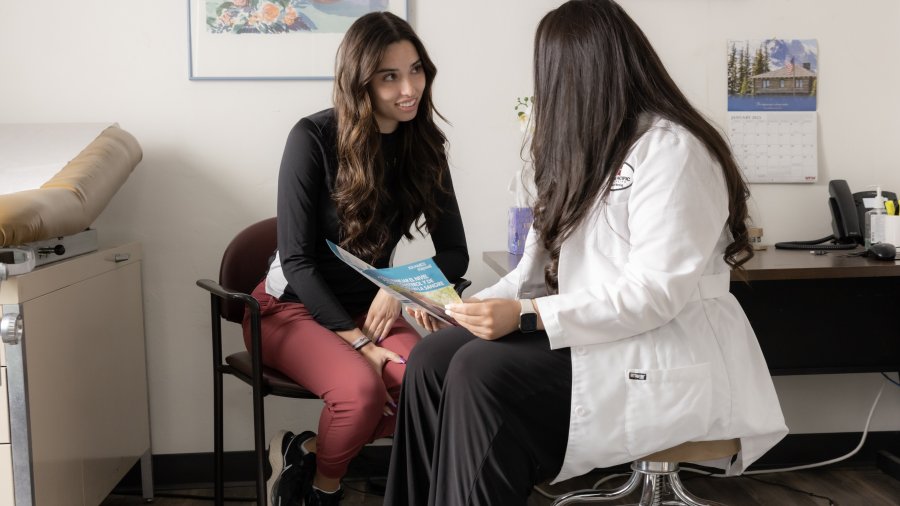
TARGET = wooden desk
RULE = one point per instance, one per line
(812, 314)
(823, 314)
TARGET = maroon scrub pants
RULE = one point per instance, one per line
(354, 392)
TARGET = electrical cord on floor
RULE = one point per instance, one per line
(853, 452)
(596, 485)
(792, 489)
(601, 481)
(548, 495)
(706, 474)
(748, 474)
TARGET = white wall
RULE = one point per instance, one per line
(211, 153)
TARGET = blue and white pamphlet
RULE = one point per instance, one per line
(420, 284)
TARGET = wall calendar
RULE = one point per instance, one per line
(778, 147)
(772, 89)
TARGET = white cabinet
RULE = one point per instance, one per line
(76, 380)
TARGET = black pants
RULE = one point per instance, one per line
(480, 422)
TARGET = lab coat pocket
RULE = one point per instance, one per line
(666, 407)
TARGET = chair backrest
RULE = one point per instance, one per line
(245, 262)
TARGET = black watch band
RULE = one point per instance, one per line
(527, 316)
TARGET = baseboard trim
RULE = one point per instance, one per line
(183, 471)
(180, 471)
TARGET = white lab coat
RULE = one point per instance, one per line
(662, 353)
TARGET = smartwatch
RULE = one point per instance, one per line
(527, 316)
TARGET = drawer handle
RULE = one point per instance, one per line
(121, 257)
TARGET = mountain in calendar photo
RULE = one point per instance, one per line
(772, 74)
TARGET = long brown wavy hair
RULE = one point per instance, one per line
(595, 74)
(365, 206)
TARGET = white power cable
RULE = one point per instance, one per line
(760, 471)
(813, 465)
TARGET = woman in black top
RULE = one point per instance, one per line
(362, 175)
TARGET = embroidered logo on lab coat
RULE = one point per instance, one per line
(623, 178)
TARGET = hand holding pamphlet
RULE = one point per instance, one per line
(420, 284)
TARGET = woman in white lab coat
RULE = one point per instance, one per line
(616, 335)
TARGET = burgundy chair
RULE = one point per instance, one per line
(244, 264)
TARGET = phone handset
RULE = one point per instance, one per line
(844, 215)
(844, 222)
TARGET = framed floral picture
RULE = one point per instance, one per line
(272, 39)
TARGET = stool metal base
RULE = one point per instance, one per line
(661, 487)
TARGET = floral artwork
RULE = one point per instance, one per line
(283, 16)
(272, 39)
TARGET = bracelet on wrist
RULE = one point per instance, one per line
(359, 343)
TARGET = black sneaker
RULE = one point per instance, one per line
(292, 469)
(316, 497)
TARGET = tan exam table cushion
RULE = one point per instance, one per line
(72, 199)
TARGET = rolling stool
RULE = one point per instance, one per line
(659, 473)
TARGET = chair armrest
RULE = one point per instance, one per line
(223, 293)
(460, 285)
(234, 301)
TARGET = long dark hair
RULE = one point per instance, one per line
(595, 74)
(365, 207)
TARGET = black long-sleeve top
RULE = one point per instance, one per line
(304, 269)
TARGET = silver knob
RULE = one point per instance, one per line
(11, 328)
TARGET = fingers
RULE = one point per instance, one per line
(390, 407)
(466, 308)
(482, 326)
(367, 325)
(466, 316)
(381, 315)
(384, 333)
(489, 319)
(377, 327)
(393, 357)
(436, 324)
(423, 319)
